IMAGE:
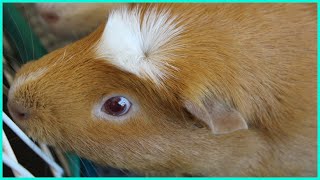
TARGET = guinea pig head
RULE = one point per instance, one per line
(118, 97)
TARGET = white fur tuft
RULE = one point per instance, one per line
(141, 46)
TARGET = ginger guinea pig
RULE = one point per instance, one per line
(73, 20)
(182, 90)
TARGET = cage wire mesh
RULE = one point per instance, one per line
(25, 39)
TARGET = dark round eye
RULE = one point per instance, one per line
(116, 106)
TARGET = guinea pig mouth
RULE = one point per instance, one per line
(38, 133)
(41, 137)
(34, 134)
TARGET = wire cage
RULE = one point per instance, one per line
(24, 39)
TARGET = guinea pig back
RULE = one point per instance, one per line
(182, 89)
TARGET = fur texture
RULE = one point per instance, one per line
(141, 42)
(257, 59)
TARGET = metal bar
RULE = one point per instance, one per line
(16, 166)
(46, 150)
(31, 144)
(8, 150)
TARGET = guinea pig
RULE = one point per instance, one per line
(182, 90)
(73, 20)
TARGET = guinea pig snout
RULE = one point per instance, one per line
(18, 111)
(49, 17)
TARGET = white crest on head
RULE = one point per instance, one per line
(141, 45)
(26, 78)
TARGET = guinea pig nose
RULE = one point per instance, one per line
(18, 112)
(50, 17)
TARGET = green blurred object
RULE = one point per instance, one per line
(74, 164)
(29, 47)
(20, 34)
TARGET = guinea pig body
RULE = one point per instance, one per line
(73, 20)
(182, 89)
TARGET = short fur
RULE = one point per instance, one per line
(257, 59)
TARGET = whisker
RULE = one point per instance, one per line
(84, 165)
(71, 161)
(10, 62)
(64, 55)
(94, 168)
(16, 45)
(93, 165)
(71, 57)
(28, 20)
(124, 172)
(19, 34)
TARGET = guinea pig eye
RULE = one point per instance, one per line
(116, 106)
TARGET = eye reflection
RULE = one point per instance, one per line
(116, 106)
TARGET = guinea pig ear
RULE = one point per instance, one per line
(220, 118)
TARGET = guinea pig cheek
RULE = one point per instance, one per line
(45, 127)
(109, 108)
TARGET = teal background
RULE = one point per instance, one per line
(1, 78)
(186, 1)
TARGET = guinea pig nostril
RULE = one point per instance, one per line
(50, 17)
(18, 113)
(22, 115)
